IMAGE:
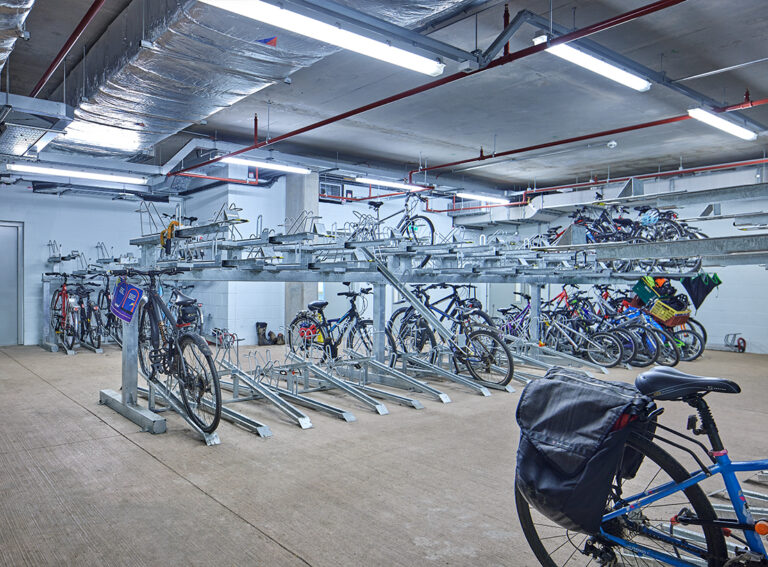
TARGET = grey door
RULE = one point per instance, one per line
(10, 238)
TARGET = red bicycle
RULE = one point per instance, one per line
(64, 313)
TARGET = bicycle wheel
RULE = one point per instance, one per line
(648, 526)
(669, 353)
(478, 319)
(648, 346)
(198, 382)
(421, 231)
(360, 338)
(628, 344)
(698, 327)
(71, 329)
(56, 319)
(95, 328)
(690, 343)
(488, 357)
(604, 349)
(417, 338)
(309, 338)
(555, 338)
(116, 329)
(145, 342)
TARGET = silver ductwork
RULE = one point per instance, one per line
(163, 66)
(13, 14)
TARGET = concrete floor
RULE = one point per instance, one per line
(80, 485)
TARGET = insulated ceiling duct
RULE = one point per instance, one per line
(164, 66)
(13, 14)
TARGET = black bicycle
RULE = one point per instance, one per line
(167, 347)
(317, 338)
(91, 325)
(111, 325)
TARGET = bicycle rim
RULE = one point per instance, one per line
(198, 384)
(489, 358)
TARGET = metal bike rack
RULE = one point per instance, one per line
(411, 360)
(330, 382)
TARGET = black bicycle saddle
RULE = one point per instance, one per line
(182, 299)
(375, 204)
(669, 384)
(317, 305)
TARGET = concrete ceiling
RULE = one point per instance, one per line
(531, 101)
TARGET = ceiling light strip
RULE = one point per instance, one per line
(75, 174)
(315, 29)
(592, 63)
(268, 165)
(483, 198)
(392, 184)
(712, 119)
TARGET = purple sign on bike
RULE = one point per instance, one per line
(125, 299)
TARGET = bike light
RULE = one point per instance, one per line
(761, 527)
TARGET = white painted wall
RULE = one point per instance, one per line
(76, 223)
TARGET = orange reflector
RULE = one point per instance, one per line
(761, 527)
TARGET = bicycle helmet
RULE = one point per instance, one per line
(649, 217)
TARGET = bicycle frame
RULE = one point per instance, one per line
(724, 467)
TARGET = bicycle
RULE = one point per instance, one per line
(414, 228)
(65, 321)
(90, 323)
(478, 347)
(317, 338)
(167, 347)
(661, 516)
(112, 325)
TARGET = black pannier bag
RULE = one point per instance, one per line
(573, 430)
(187, 314)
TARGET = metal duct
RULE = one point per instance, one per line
(163, 66)
(13, 14)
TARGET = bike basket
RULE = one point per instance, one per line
(573, 433)
(669, 316)
(645, 289)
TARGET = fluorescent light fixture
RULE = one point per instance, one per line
(267, 165)
(75, 174)
(578, 57)
(713, 119)
(102, 136)
(483, 198)
(392, 184)
(303, 25)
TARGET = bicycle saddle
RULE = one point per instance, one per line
(317, 305)
(669, 384)
(182, 299)
(375, 204)
(505, 310)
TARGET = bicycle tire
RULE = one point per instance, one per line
(488, 357)
(604, 349)
(417, 337)
(95, 328)
(427, 237)
(198, 382)
(669, 353)
(145, 342)
(690, 343)
(628, 344)
(395, 320)
(360, 338)
(554, 546)
(648, 346)
(309, 338)
(56, 319)
(70, 331)
(698, 327)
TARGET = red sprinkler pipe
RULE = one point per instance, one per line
(503, 60)
(87, 19)
(641, 126)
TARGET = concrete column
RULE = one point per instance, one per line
(301, 194)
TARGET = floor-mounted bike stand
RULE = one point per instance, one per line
(126, 401)
(356, 373)
(328, 382)
(414, 362)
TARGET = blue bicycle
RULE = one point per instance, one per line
(663, 516)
